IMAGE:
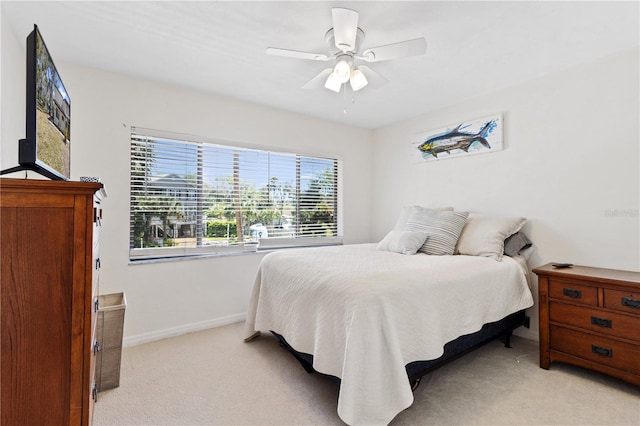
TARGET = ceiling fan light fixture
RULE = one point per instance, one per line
(344, 40)
(342, 70)
(333, 83)
(357, 80)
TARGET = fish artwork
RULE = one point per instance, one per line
(457, 139)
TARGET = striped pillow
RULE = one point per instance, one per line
(406, 212)
(443, 227)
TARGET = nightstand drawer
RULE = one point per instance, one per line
(625, 326)
(573, 292)
(609, 352)
(625, 301)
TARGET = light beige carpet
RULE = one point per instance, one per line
(214, 378)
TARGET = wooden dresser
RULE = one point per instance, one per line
(590, 317)
(48, 310)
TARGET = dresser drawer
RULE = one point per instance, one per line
(574, 292)
(610, 323)
(625, 301)
(604, 351)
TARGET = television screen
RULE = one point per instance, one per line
(48, 108)
(47, 146)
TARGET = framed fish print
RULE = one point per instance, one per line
(477, 136)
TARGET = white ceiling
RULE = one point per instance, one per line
(473, 47)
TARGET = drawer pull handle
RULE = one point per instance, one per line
(601, 322)
(574, 294)
(632, 303)
(601, 350)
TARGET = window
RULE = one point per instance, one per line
(194, 197)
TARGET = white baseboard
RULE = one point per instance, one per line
(140, 339)
(526, 333)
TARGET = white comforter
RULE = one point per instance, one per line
(364, 314)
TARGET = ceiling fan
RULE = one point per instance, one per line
(344, 40)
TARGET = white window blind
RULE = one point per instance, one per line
(191, 197)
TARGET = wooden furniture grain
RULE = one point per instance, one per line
(48, 241)
(590, 317)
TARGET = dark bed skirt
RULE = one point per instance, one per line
(452, 350)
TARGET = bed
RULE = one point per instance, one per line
(376, 319)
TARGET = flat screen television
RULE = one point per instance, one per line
(47, 146)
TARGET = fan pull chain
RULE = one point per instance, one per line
(344, 99)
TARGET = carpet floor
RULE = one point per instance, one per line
(214, 378)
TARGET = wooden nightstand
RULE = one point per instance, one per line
(590, 317)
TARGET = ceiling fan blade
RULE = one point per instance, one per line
(374, 79)
(274, 51)
(319, 80)
(345, 28)
(401, 49)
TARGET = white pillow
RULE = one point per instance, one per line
(484, 235)
(406, 211)
(443, 227)
(403, 242)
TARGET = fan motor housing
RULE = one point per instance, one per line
(331, 41)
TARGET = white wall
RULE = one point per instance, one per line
(12, 90)
(173, 297)
(570, 165)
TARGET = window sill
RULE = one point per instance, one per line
(144, 261)
(261, 251)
